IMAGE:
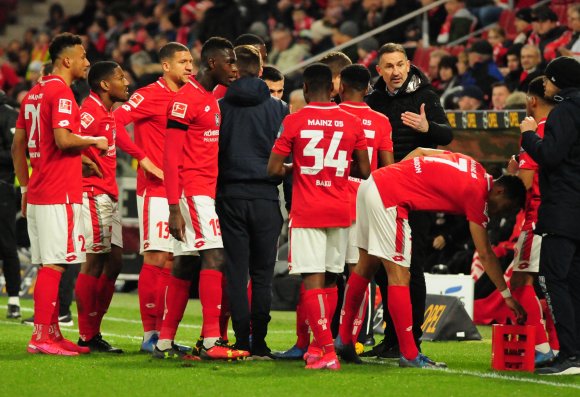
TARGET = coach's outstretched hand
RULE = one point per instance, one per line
(528, 124)
(151, 168)
(176, 222)
(520, 313)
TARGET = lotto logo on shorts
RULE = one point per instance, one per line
(146, 245)
(65, 106)
(71, 258)
(199, 244)
(523, 265)
(136, 99)
(179, 110)
(86, 119)
(398, 258)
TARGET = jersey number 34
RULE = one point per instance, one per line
(323, 158)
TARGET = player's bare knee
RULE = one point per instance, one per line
(520, 279)
(213, 259)
(155, 258)
(330, 280)
(396, 274)
(182, 268)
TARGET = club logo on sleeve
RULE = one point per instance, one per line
(217, 119)
(63, 123)
(86, 119)
(179, 110)
(136, 99)
(65, 106)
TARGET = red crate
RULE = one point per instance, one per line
(513, 347)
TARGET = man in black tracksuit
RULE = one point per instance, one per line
(8, 205)
(558, 155)
(404, 95)
(247, 199)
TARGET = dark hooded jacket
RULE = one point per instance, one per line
(415, 91)
(8, 116)
(251, 120)
(558, 155)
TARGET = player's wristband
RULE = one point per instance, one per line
(506, 293)
(23, 189)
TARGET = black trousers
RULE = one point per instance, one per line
(8, 252)
(420, 223)
(560, 280)
(250, 230)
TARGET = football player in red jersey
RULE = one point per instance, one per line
(146, 109)
(426, 180)
(191, 169)
(527, 250)
(103, 240)
(48, 128)
(322, 139)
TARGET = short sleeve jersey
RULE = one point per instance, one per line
(451, 183)
(321, 138)
(378, 132)
(147, 109)
(195, 107)
(533, 199)
(56, 175)
(96, 120)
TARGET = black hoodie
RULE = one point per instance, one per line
(251, 119)
(8, 116)
(558, 155)
(415, 91)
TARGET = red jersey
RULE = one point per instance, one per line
(147, 109)
(195, 109)
(378, 132)
(452, 183)
(220, 91)
(56, 175)
(533, 195)
(321, 138)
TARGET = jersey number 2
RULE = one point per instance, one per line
(333, 158)
(32, 113)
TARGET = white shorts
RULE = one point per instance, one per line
(56, 233)
(202, 226)
(153, 213)
(102, 223)
(527, 252)
(381, 231)
(317, 250)
(351, 248)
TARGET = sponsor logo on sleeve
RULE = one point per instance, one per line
(86, 119)
(65, 106)
(179, 110)
(136, 99)
(63, 123)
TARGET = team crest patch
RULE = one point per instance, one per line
(136, 99)
(179, 110)
(65, 106)
(86, 119)
(217, 119)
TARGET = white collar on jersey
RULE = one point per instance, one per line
(322, 106)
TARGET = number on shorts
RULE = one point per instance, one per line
(81, 238)
(215, 224)
(163, 229)
(32, 113)
(460, 165)
(333, 158)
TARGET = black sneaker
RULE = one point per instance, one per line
(98, 344)
(346, 351)
(259, 353)
(561, 366)
(28, 321)
(13, 312)
(65, 320)
(383, 350)
(173, 353)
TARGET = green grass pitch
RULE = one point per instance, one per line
(135, 374)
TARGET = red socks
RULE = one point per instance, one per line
(161, 293)
(529, 301)
(332, 298)
(210, 296)
(147, 289)
(399, 303)
(175, 304)
(225, 310)
(317, 309)
(302, 328)
(45, 301)
(105, 291)
(353, 304)
(86, 294)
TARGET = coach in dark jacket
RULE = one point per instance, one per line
(404, 95)
(247, 198)
(8, 205)
(558, 155)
